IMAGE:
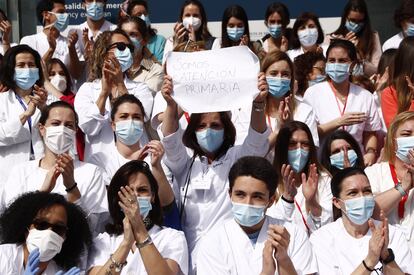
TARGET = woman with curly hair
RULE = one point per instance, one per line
(112, 57)
(45, 226)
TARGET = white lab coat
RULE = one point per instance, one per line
(293, 53)
(325, 106)
(39, 43)
(28, 176)
(207, 200)
(15, 138)
(393, 42)
(303, 113)
(292, 213)
(12, 257)
(337, 252)
(170, 243)
(228, 250)
(99, 135)
(380, 178)
(106, 26)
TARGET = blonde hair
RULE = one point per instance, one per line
(389, 147)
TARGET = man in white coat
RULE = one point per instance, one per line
(253, 243)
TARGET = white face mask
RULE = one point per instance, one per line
(48, 242)
(59, 139)
(193, 21)
(59, 82)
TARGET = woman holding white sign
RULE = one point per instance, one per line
(201, 178)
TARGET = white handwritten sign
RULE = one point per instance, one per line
(214, 81)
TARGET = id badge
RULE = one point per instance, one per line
(201, 183)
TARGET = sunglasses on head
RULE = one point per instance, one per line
(121, 46)
(44, 225)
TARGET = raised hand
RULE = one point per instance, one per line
(72, 39)
(128, 233)
(289, 182)
(376, 244)
(39, 98)
(263, 88)
(346, 159)
(6, 28)
(385, 233)
(310, 185)
(280, 239)
(32, 265)
(167, 90)
(129, 204)
(179, 33)
(66, 167)
(88, 43)
(156, 150)
(284, 45)
(244, 40)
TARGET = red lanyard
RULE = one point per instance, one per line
(334, 91)
(401, 204)
(303, 218)
(187, 117)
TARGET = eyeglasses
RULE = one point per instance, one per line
(44, 225)
(121, 46)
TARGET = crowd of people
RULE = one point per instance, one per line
(102, 172)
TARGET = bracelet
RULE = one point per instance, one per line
(71, 188)
(366, 266)
(400, 189)
(379, 269)
(115, 265)
(288, 201)
(146, 242)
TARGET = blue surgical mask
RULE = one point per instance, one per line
(410, 29)
(137, 43)
(360, 209)
(235, 33)
(129, 131)
(124, 58)
(25, 78)
(145, 206)
(146, 19)
(338, 72)
(210, 140)
(298, 158)
(358, 69)
(62, 21)
(404, 145)
(278, 87)
(308, 37)
(275, 30)
(95, 11)
(248, 215)
(337, 159)
(353, 27)
(319, 78)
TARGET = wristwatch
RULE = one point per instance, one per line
(390, 257)
(400, 189)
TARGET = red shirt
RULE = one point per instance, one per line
(389, 105)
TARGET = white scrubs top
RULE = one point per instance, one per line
(228, 250)
(15, 138)
(296, 212)
(28, 176)
(170, 243)
(293, 53)
(393, 42)
(381, 180)
(99, 135)
(12, 257)
(327, 108)
(206, 197)
(39, 43)
(337, 252)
